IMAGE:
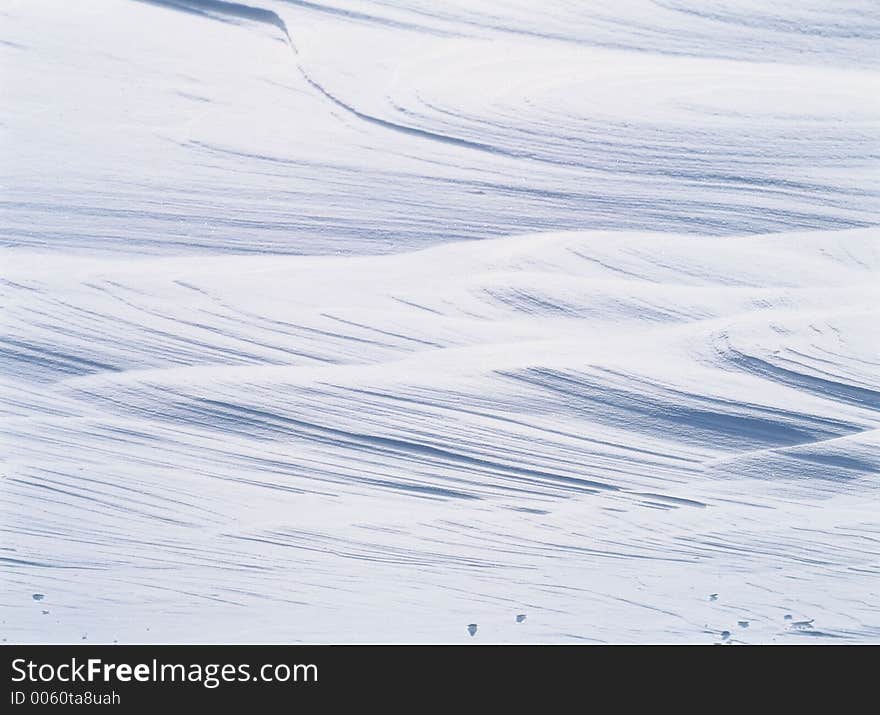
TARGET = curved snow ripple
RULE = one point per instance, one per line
(578, 423)
(367, 127)
(644, 407)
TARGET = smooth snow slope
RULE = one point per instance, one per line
(249, 396)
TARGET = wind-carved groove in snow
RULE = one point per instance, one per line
(248, 12)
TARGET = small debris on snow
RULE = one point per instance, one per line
(472, 629)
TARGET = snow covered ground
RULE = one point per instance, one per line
(365, 320)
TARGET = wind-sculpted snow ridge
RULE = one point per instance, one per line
(599, 429)
(205, 126)
(262, 382)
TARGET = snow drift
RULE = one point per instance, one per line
(263, 383)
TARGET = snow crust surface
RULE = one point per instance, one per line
(366, 320)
